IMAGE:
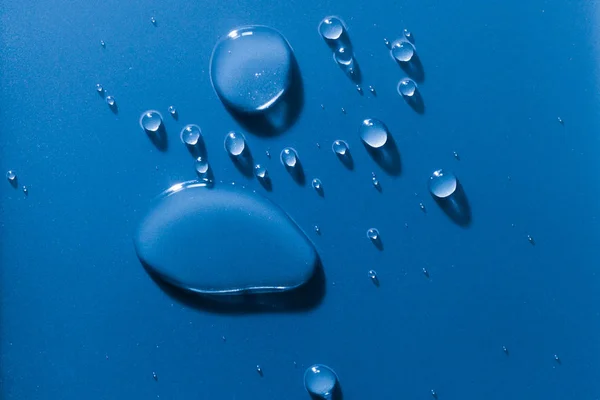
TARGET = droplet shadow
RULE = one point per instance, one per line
(320, 191)
(159, 138)
(297, 173)
(378, 243)
(14, 182)
(280, 116)
(266, 183)
(416, 102)
(198, 149)
(387, 156)
(335, 395)
(347, 160)
(114, 108)
(244, 162)
(414, 68)
(303, 298)
(456, 206)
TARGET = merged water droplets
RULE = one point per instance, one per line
(373, 133)
(321, 382)
(190, 135)
(151, 121)
(235, 144)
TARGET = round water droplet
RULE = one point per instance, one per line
(331, 28)
(260, 171)
(442, 184)
(251, 68)
(110, 101)
(151, 121)
(188, 239)
(190, 134)
(340, 147)
(172, 110)
(408, 35)
(407, 87)
(373, 133)
(373, 234)
(11, 175)
(343, 56)
(321, 382)
(316, 184)
(99, 88)
(402, 50)
(202, 166)
(235, 143)
(289, 157)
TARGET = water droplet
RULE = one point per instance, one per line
(425, 272)
(172, 110)
(322, 107)
(317, 185)
(289, 157)
(531, 240)
(102, 43)
(343, 56)
(359, 89)
(504, 349)
(11, 176)
(190, 134)
(343, 110)
(151, 121)
(321, 382)
(331, 28)
(373, 276)
(153, 21)
(202, 167)
(251, 68)
(407, 87)
(375, 182)
(99, 88)
(268, 154)
(372, 90)
(387, 43)
(261, 172)
(110, 101)
(373, 234)
(408, 35)
(235, 144)
(25, 190)
(340, 147)
(442, 184)
(318, 145)
(560, 121)
(373, 133)
(422, 207)
(317, 230)
(154, 376)
(165, 241)
(402, 50)
(557, 358)
(434, 394)
(456, 156)
(259, 370)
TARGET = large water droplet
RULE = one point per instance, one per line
(442, 184)
(151, 121)
(402, 50)
(190, 134)
(251, 68)
(289, 157)
(331, 28)
(223, 240)
(340, 147)
(407, 87)
(235, 144)
(373, 133)
(321, 382)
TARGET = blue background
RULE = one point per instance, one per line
(80, 318)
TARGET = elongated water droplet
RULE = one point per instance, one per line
(99, 89)
(442, 184)
(11, 176)
(331, 28)
(340, 147)
(317, 185)
(373, 276)
(182, 239)
(373, 133)
(190, 134)
(407, 87)
(251, 68)
(402, 50)
(110, 100)
(172, 110)
(261, 172)
(373, 234)
(151, 121)
(289, 157)
(235, 144)
(202, 167)
(321, 382)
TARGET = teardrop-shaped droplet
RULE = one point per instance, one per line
(321, 382)
(289, 157)
(407, 87)
(374, 133)
(235, 143)
(223, 240)
(442, 184)
(190, 134)
(340, 147)
(331, 28)
(251, 68)
(151, 121)
(402, 50)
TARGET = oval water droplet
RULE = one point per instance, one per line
(373, 133)
(321, 382)
(340, 147)
(442, 184)
(289, 157)
(251, 68)
(235, 144)
(407, 87)
(151, 121)
(190, 134)
(331, 28)
(260, 171)
(191, 237)
(316, 184)
(402, 50)
(202, 167)
(11, 176)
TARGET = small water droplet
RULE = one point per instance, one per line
(153, 21)
(317, 230)
(344, 57)
(372, 90)
(259, 370)
(425, 272)
(110, 100)
(235, 144)
(560, 121)
(190, 134)
(373, 276)
(202, 167)
(402, 50)
(373, 234)
(151, 121)
(99, 88)
(359, 89)
(268, 154)
(557, 358)
(408, 35)
(223, 338)
(317, 185)
(318, 145)
(505, 350)
(407, 87)
(343, 110)
(261, 172)
(322, 107)
(154, 376)
(340, 147)
(531, 240)
(442, 184)
(11, 176)
(422, 207)
(373, 133)
(321, 382)
(387, 43)
(102, 43)
(172, 110)
(331, 28)
(375, 182)
(289, 157)
(456, 156)
(434, 394)
(25, 190)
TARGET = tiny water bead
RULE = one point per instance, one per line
(340, 147)
(372, 90)
(110, 100)
(25, 190)
(373, 234)
(343, 110)
(504, 349)
(442, 184)
(407, 87)
(190, 134)
(560, 121)
(99, 88)
(153, 21)
(434, 394)
(317, 185)
(422, 207)
(557, 358)
(375, 182)
(261, 172)
(151, 121)
(425, 272)
(289, 157)
(359, 89)
(408, 35)
(259, 370)
(387, 43)
(202, 167)
(331, 28)
(456, 155)
(154, 376)
(172, 110)
(317, 230)
(102, 43)
(531, 240)
(373, 276)
(235, 143)
(321, 382)
(11, 176)
(251, 68)
(373, 133)
(402, 50)
(268, 153)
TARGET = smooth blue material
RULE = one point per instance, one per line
(81, 319)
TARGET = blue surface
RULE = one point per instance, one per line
(80, 318)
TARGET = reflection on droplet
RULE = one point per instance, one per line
(531, 240)
(434, 394)
(560, 121)
(374, 278)
(316, 184)
(343, 56)
(317, 230)
(251, 68)
(321, 382)
(407, 87)
(289, 157)
(373, 234)
(110, 100)
(425, 272)
(442, 184)
(340, 147)
(331, 28)
(373, 133)
(165, 241)
(154, 376)
(235, 143)
(172, 110)
(11, 176)
(261, 172)
(202, 167)
(151, 121)
(99, 88)
(504, 349)
(372, 90)
(402, 50)
(557, 358)
(190, 134)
